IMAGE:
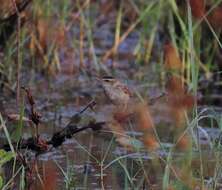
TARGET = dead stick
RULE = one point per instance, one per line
(18, 52)
(89, 105)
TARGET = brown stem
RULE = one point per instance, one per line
(18, 52)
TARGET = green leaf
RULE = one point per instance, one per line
(1, 182)
(16, 135)
(166, 176)
(5, 156)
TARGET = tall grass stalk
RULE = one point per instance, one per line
(118, 27)
(194, 81)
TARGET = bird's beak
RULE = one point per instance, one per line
(100, 82)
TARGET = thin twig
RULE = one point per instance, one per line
(18, 52)
(90, 105)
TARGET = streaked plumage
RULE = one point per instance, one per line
(117, 92)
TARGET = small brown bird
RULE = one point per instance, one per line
(117, 92)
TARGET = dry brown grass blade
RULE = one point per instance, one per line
(175, 86)
(111, 51)
(215, 18)
(171, 57)
(146, 126)
(49, 177)
(7, 7)
(106, 7)
(37, 48)
(145, 121)
(197, 8)
(177, 94)
(42, 32)
(47, 37)
(121, 39)
(60, 36)
(179, 100)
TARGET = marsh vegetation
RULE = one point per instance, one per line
(58, 128)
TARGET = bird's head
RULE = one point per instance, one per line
(107, 81)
